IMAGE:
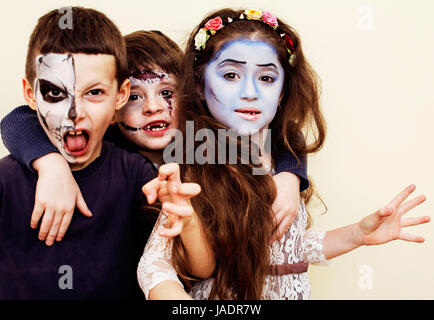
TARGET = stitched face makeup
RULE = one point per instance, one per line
(146, 118)
(75, 101)
(243, 85)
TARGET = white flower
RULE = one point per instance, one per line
(200, 39)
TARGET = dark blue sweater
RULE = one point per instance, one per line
(98, 257)
(25, 139)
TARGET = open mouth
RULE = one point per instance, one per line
(156, 128)
(76, 142)
(248, 113)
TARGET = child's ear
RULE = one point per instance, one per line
(123, 94)
(29, 94)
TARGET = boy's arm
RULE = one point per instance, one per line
(380, 227)
(24, 137)
(286, 162)
(290, 179)
(57, 193)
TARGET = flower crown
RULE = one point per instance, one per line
(215, 24)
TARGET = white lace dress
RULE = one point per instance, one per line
(296, 245)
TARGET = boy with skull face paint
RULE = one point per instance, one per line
(76, 80)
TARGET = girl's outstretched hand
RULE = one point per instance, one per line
(174, 196)
(386, 224)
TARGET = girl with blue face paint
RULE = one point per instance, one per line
(245, 70)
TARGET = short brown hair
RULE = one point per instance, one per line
(92, 33)
(153, 48)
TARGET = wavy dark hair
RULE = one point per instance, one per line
(152, 48)
(235, 206)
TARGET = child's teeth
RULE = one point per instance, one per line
(72, 133)
(78, 132)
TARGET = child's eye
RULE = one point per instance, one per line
(266, 78)
(231, 76)
(54, 92)
(50, 92)
(95, 92)
(54, 95)
(134, 97)
(167, 94)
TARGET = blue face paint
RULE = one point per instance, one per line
(243, 85)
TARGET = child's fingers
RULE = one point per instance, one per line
(64, 225)
(396, 202)
(384, 212)
(408, 222)
(411, 237)
(54, 229)
(282, 223)
(278, 217)
(178, 210)
(169, 171)
(407, 206)
(173, 231)
(82, 206)
(150, 190)
(189, 189)
(46, 223)
(37, 213)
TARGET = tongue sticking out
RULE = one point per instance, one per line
(76, 143)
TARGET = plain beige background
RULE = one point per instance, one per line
(375, 59)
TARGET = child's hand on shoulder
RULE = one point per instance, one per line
(175, 198)
(57, 195)
(287, 202)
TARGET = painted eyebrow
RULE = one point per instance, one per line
(46, 85)
(267, 65)
(231, 61)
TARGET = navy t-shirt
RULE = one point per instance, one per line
(97, 259)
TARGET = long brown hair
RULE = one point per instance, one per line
(234, 205)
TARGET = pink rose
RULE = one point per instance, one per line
(269, 18)
(214, 24)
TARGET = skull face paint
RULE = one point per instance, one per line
(243, 85)
(76, 98)
(146, 118)
(55, 85)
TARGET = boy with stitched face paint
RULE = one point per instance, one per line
(76, 80)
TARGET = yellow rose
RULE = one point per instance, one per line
(253, 14)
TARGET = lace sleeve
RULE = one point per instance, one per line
(155, 264)
(313, 248)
